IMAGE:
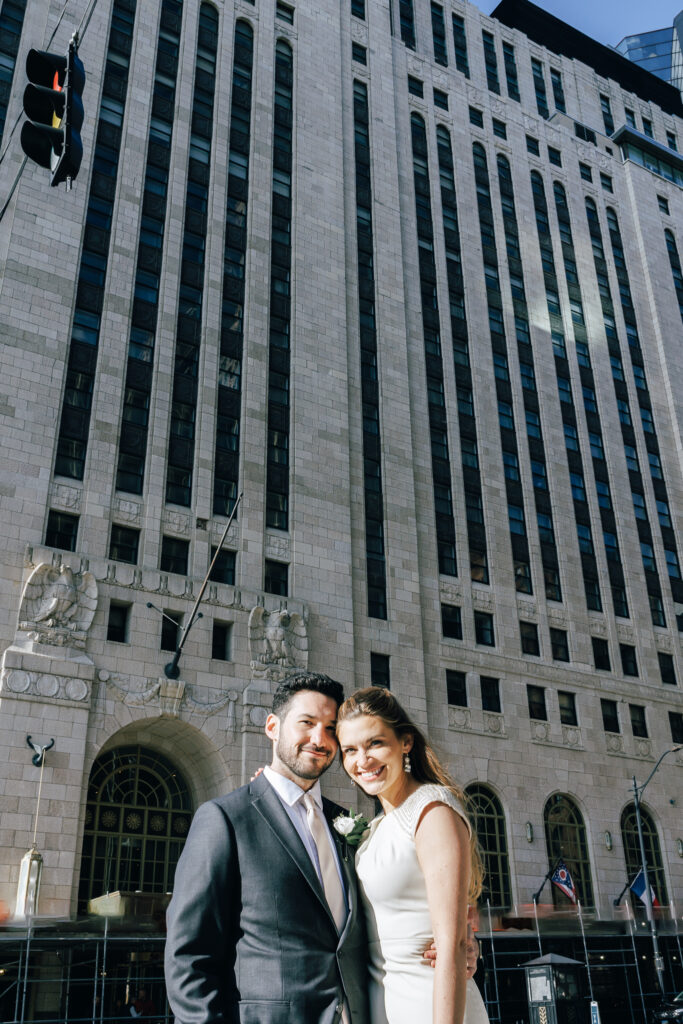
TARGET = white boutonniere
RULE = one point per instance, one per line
(351, 826)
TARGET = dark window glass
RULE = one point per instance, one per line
(565, 836)
(529, 636)
(610, 715)
(606, 182)
(601, 656)
(567, 702)
(628, 660)
(61, 531)
(170, 630)
(647, 127)
(536, 701)
(491, 62)
(559, 644)
(224, 569)
(638, 723)
(532, 145)
(440, 99)
(439, 35)
(539, 88)
(499, 128)
(490, 693)
(451, 621)
(554, 156)
(285, 12)
(456, 685)
(460, 45)
(220, 641)
(483, 629)
(415, 86)
(174, 555)
(359, 53)
(117, 623)
(379, 670)
(123, 545)
(607, 114)
(276, 575)
(476, 117)
(666, 668)
(676, 726)
(586, 172)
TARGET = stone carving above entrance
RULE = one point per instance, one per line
(278, 641)
(58, 605)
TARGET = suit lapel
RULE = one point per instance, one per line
(267, 803)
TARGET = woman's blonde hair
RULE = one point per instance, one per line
(379, 702)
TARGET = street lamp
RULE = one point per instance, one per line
(637, 794)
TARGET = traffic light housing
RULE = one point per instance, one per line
(54, 107)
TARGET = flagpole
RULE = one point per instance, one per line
(631, 922)
(538, 934)
(647, 894)
(493, 958)
(585, 950)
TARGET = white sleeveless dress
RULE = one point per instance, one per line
(394, 898)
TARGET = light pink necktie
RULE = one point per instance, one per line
(334, 894)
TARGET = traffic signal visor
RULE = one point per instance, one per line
(53, 105)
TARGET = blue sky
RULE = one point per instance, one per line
(607, 21)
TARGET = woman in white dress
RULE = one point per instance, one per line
(418, 867)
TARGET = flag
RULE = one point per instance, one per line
(638, 887)
(563, 880)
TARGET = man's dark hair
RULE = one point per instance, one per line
(299, 681)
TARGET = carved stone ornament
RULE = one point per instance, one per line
(643, 748)
(615, 743)
(58, 605)
(128, 511)
(278, 642)
(459, 718)
(277, 547)
(66, 497)
(494, 723)
(167, 696)
(540, 732)
(40, 684)
(177, 522)
(571, 736)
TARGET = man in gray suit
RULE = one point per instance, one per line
(264, 926)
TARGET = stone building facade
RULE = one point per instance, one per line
(407, 278)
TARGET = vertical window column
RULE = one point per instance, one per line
(407, 21)
(226, 465)
(372, 460)
(130, 468)
(277, 468)
(539, 88)
(438, 423)
(490, 62)
(179, 470)
(72, 439)
(460, 45)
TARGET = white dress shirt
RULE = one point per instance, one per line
(291, 798)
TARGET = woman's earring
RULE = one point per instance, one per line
(407, 766)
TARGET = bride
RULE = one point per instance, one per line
(418, 867)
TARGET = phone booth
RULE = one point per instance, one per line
(552, 986)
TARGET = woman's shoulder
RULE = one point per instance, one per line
(409, 813)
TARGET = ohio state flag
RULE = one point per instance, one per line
(563, 880)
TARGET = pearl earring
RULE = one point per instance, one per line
(407, 766)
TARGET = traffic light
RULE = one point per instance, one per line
(52, 102)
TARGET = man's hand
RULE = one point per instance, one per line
(429, 954)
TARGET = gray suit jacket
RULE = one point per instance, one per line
(250, 936)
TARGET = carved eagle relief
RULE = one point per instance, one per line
(278, 638)
(57, 598)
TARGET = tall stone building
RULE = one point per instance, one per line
(408, 279)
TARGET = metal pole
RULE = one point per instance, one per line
(493, 958)
(26, 961)
(659, 960)
(538, 934)
(631, 921)
(585, 951)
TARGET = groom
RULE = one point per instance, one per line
(264, 926)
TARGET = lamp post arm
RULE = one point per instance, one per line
(640, 789)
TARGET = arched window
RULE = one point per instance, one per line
(565, 836)
(136, 820)
(653, 855)
(487, 816)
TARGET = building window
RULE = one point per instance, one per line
(558, 91)
(460, 44)
(653, 856)
(224, 569)
(456, 685)
(529, 636)
(415, 87)
(619, 602)
(61, 531)
(647, 127)
(491, 62)
(592, 590)
(483, 629)
(536, 700)
(671, 140)
(583, 532)
(532, 145)
(451, 621)
(629, 663)
(559, 644)
(359, 53)
(123, 544)
(511, 71)
(567, 702)
(539, 88)
(606, 182)
(276, 577)
(666, 668)
(379, 670)
(553, 591)
(554, 156)
(476, 117)
(571, 437)
(610, 715)
(630, 118)
(221, 635)
(407, 23)
(488, 821)
(479, 569)
(565, 835)
(137, 816)
(439, 35)
(284, 12)
(522, 572)
(358, 9)
(440, 99)
(490, 694)
(663, 204)
(586, 172)
(499, 128)
(638, 723)
(170, 630)
(607, 118)
(676, 726)
(118, 622)
(174, 555)
(601, 656)
(516, 520)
